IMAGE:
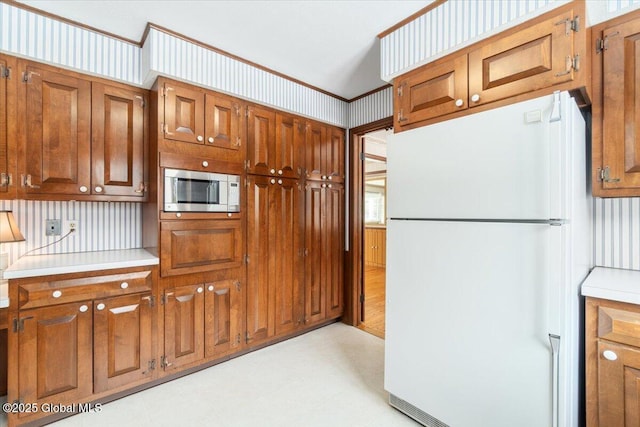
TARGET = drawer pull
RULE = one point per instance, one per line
(610, 355)
(56, 294)
(200, 290)
(200, 138)
(211, 140)
(178, 215)
(100, 306)
(272, 171)
(210, 288)
(205, 164)
(124, 285)
(83, 308)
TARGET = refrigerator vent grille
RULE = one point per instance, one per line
(415, 413)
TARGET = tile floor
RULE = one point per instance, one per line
(329, 377)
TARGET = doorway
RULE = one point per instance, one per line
(364, 297)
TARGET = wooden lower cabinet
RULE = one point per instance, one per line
(183, 325)
(612, 363)
(375, 247)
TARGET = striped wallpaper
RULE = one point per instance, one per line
(101, 226)
(371, 108)
(616, 232)
(616, 5)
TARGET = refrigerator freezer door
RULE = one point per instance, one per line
(494, 164)
(469, 310)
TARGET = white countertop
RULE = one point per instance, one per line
(613, 284)
(44, 265)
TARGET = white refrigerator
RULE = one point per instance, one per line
(488, 240)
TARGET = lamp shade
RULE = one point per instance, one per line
(9, 231)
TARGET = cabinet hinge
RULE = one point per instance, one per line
(401, 89)
(602, 44)
(163, 300)
(247, 338)
(247, 164)
(238, 339)
(362, 157)
(361, 298)
(572, 64)
(5, 72)
(570, 25)
(246, 112)
(237, 285)
(575, 24)
(401, 117)
(18, 325)
(604, 175)
(164, 362)
(151, 365)
(141, 99)
(165, 90)
(152, 301)
(246, 259)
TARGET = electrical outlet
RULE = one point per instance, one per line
(71, 225)
(53, 227)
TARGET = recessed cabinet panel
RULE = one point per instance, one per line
(432, 91)
(315, 149)
(224, 123)
(183, 113)
(4, 129)
(335, 155)
(183, 330)
(333, 248)
(197, 246)
(261, 140)
(58, 117)
(118, 141)
(223, 317)
(315, 281)
(289, 146)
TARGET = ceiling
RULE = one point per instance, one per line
(332, 45)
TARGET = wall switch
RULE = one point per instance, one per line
(53, 227)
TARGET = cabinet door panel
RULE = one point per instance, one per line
(618, 383)
(184, 325)
(122, 340)
(119, 141)
(536, 57)
(197, 246)
(315, 281)
(183, 113)
(57, 149)
(260, 297)
(335, 155)
(224, 123)
(621, 106)
(223, 317)
(315, 150)
(55, 353)
(4, 140)
(287, 225)
(261, 140)
(333, 249)
(431, 91)
(289, 146)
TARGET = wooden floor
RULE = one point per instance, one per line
(374, 299)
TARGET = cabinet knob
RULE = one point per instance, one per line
(324, 177)
(330, 177)
(610, 355)
(324, 186)
(200, 289)
(329, 185)
(56, 294)
(459, 102)
(279, 171)
(98, 189)
(100, 306)
(272, 171)
(210, 288)
(475, 97)
(205, 164)
(200, 138)
(210, 140)
(280, 181)
(272, 180)
(178, 215)
(83, 308)
(229, 214)
(83, 189)
(124, 285)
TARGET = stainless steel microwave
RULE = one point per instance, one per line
(191, 191)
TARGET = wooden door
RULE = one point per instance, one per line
(261, 127)
(315, 151)
(315, 281)
(183, 325)
(289, 145)
(183, 113)
(535, 57)
(621, 108)
(55, 354)
(122, 341)
(335, 154)
(223, 317)
(618, 385)
(224, 127)
(333, 249)
(431, 91)
(193, 246)
(286, 226)
(58, 122)
(119, 140)
(260, 296)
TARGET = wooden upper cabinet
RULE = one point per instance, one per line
(224, 126)
(431, 91)
(8, 120)
(335, 153)
(532, 58)
(223, 317)
(183, 113)
(315, 150)
(183, 325)
(57, 123)
(261, 140)
(55, 352)
(122, 336)
(288, 155)
(119, 141)
(616, 109)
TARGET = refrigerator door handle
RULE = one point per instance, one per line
(555, 384)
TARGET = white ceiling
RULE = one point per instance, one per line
(332, 45)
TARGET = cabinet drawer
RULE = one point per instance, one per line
(618, 325)
(38, 294)
(201, 164)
